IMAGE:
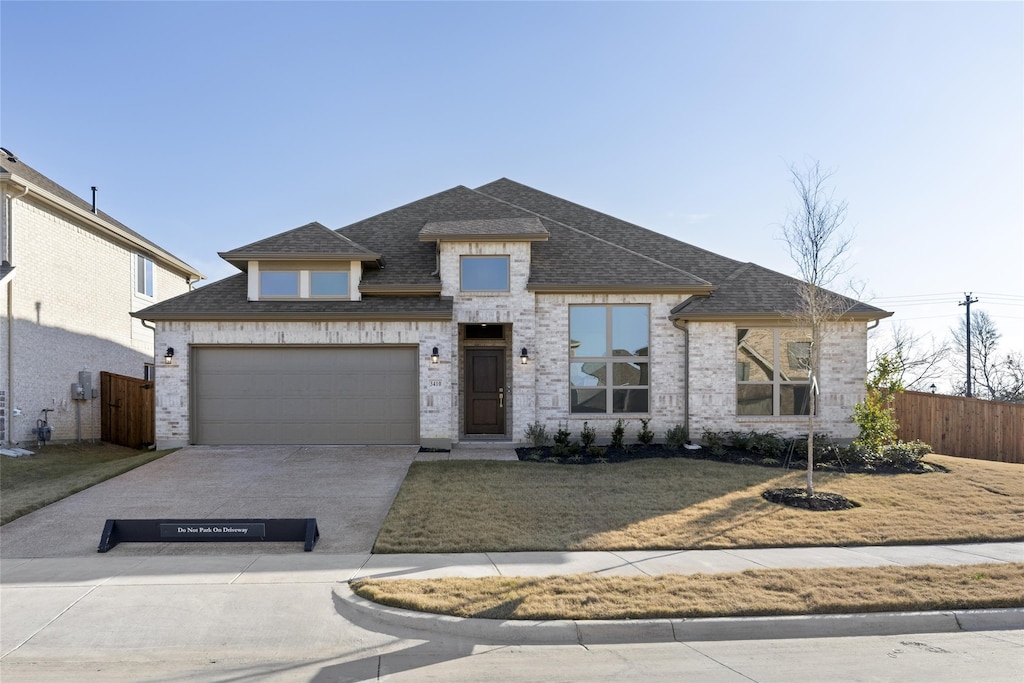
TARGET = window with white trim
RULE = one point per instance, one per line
(143, 275)
(772, 371)
(303, 284)
(609, 365)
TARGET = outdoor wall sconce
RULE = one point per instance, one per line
(524, 357)
(435, 357)
(169, 355)
(932, 387)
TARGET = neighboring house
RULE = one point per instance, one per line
(71, 276)
(471, 314)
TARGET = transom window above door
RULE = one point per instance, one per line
(609, 369)
(484, 274)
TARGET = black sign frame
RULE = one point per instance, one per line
(208, 530)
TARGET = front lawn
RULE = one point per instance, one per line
(30, 482)
(474, 506)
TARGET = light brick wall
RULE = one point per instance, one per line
(713, 382)
(173, 425)
(72, 294)
(667, 400)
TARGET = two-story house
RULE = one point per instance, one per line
(473, 313)
(71, 276)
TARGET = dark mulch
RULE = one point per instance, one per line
(832, 462)
(821, 501)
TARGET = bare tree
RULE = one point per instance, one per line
(993, 376)
(818, 246)
(919, 362)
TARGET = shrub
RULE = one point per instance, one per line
(676, 437)
(903, 454)
(768, 444)
(537, 435)
(562, 436)
(560, 450)
(712, 439)
(739, 440)
(618, 433)
(587, 436)
(876, 414)
(645, 436)
(597, 451)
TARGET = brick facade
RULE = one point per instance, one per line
(71, 296)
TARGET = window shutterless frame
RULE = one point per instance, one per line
(484, 273)
(772, 371)
(609, 359)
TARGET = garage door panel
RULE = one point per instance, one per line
(305, 395)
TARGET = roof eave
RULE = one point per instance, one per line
(104, 226)
(293, 316)
(512, 237)
(760, 317)
(541, 288)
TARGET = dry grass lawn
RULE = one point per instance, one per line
(452, 506)
(750, 593)
(30, 482)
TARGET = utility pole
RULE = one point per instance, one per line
(968, 300)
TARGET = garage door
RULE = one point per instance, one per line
(305, 395)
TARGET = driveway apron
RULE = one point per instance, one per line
(348, 489)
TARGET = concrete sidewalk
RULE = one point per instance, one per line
(106, 602)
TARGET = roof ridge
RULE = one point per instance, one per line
(398, 208)
(592, 236)
(608, 215)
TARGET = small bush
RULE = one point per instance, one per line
(739, 440)
(903, 454)
(770, 462)
(676, 437)
(712, 439)
(537, 435)
(768, 444)
(562, 436)
(574, 448)
(560, 450)
(618, 433)
(597, 451)
(587, 436)
(645, 436)
(719, 451)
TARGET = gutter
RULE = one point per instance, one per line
(685, 327)
(7, 256)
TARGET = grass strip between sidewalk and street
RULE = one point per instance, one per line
(760, 592)
(54, 472)
(681, 503)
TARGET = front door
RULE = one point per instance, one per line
(485, 391)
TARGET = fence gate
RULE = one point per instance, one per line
(128, 415)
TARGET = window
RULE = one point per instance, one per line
(279, 283)
(328, 283)
(609, 370)
(143, 275)
(772, 371)
(484, 273)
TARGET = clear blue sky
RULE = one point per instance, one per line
(210, 125)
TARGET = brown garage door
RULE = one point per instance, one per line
(304, 395)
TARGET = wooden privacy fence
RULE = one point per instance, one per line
(964, 427)
(128, 415)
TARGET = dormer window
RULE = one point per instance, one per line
(303, 283)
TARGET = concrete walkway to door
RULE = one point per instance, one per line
(348, 489)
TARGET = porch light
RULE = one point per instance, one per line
(524, 357)
(435, 357)
(169, 355)
(932, 387)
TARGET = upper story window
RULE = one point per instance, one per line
(304, 284)
(143, 275)
(279, 283)
(772, 371)
(609, 367)
(484, 274)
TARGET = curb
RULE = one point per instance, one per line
(583, 632)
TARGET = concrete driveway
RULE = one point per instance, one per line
(348, 489)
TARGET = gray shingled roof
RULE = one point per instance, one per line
(11, 163)
(227, 300)
(493, 228)
(584, 250)
(311, 241)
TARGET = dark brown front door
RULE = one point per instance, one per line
(485, 391)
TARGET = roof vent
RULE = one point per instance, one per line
(9, 154)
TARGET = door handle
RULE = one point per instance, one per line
(501, 397)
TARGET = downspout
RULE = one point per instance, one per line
(686, 374)
(437, 258)
(7, 256)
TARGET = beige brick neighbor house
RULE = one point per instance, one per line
(71, 275)
(471, 314)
